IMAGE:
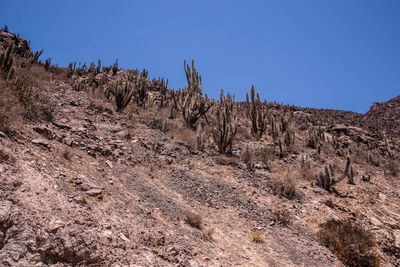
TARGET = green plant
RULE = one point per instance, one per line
(225, 128)
(351, 243)
(115, 67)
(6, 62)
(36, 56)
(257, 113)
(324, 180)
(201, 139)
(191, 101)
(123, 94)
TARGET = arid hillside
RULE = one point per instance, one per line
(101, 166)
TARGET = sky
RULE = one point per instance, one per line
(341, 54)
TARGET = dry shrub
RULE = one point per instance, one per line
(285, 187)
(97, 106)
(152, 168)
(257, 237)
(193, 218)
(35, 102)
(264, 155)
(129, 135)
(225, 160)
(352, 244)
(183, 134)
(282, 216)
(67, 154)
(392, 168)
(209, 232)
(10, 109)
(306, 174)
(4, 157)
(243, 134)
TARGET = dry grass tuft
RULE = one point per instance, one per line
(285, 187)
(152, 168)
(225, 160)
(193, 218)
(351, 243)
(257, 237)
(209, 232)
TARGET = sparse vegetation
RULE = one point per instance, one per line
(257, 237)
(285, 187)
(351, 243)
(193, 218)
(282, 216)
(209, 232)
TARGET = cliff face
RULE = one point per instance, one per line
(84, 185)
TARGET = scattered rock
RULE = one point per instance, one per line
(40, 142)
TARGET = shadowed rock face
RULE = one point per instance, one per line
(93, 187)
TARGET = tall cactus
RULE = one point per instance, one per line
(225, 129)
(257, 113)
(6, 62)
(191, 100)
(123, 94)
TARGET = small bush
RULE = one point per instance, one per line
(67, 154)
(226, 160)
(209, 232)
(285, 187)
(193, 218)
(351, 243)
(392, 168)
(257, 237)
(282, 216)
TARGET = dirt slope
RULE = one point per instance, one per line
(95, 187)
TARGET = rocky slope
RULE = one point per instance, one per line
(93, 187)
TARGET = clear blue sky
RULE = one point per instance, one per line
(340, 54)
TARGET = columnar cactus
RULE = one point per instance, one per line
(140, 89)
(225, 129)
(324, 180)
(36, 56)
(257, 113)
(123, 94)
(191, 101)
(6, 62)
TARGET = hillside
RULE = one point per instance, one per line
(84, 185)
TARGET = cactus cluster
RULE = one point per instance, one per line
(191, 101)
(123, 94)
(36, 56)
(225, 128)
(315, 136)
(257, 112)
(325, 179)
(6, 62)
(389, 150)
